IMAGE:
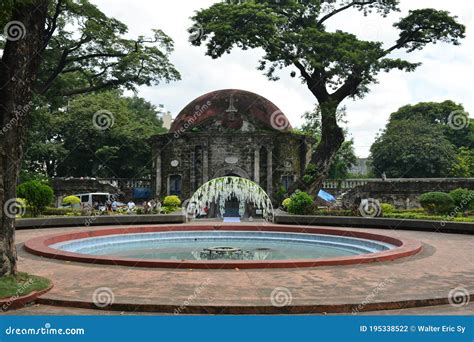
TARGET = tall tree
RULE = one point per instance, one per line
(428, 139)
(451, 117)
(333, 65)
(345, 157)
(85, 140)
(18, 69)
(55, 49)
(410, 149)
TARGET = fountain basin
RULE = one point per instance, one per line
(230, 246)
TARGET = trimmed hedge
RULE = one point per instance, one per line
(37, 195)
(463, 199)
(437, 203)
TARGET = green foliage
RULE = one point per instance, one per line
(437, 202)
(300, 203)
(37, 195)
(463, 166)
(280, 194)
(387, 208)
(172, 201)
(445, 115)
(71, 200)
(90, 51)
(423, 140)
(61, 212)
(168, 209)
(71, 144)
(286, 203)
(412, 149)
(294, 33)
(463, 199)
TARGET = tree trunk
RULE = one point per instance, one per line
(18, 69)
(332, 137)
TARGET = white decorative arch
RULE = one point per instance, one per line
(220, 190)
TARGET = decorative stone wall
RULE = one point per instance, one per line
(403, 193)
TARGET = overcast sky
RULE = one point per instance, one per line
(446, 72)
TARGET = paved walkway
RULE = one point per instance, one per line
(445, 263)
(47, 310)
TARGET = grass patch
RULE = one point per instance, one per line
(21, 284)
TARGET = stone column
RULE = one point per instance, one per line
(256, 165)
(192, 176)
(158, 175)
(205, 163)
(269, 172)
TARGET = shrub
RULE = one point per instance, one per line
(172, 201)
(463, 199)
(37, 195)
(387, 208)
(71, 200)
(168, 209)
(59, 211)
(286, 203)
(300, 203)
(437, 202)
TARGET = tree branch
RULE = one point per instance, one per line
(343, 8)
(53, 24)
(108, 84)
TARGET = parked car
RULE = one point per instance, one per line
(94, 200)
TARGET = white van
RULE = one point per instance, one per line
(93, 200)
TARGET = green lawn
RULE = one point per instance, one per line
(21, 284)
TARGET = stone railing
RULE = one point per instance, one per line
(126, 183)
(347, 184)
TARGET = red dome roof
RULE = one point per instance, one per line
(230, 108)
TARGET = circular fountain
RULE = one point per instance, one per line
(223, 246)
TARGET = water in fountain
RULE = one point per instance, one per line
(220, 190)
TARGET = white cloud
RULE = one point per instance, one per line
(445, 74)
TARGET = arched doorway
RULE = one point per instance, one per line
(231, 171)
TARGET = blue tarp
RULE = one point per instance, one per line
(326, 196)
(141, 193)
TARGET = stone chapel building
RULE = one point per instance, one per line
(228, 133)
